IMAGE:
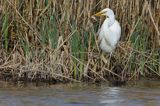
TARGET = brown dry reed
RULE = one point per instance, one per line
(55, 40)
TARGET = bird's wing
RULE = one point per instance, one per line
(116, 28)
(107, 42)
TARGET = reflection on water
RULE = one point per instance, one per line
(144, 93)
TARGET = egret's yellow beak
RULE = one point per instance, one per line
(101, 14)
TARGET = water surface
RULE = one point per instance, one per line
(142, 93)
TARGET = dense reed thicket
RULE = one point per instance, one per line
(55, 40)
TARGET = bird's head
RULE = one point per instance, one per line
(105, 12)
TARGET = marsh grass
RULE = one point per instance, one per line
(55, 40)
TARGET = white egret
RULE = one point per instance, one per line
(110, 31)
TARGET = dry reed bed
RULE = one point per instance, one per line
(56, 40)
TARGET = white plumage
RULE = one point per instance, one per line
(110, 31)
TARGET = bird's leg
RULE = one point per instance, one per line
(103, 58)
(110, 55)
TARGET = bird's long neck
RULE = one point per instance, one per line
(110, 21)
